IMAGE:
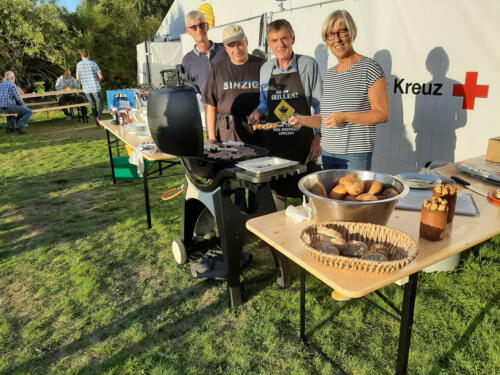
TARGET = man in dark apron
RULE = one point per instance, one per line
(289, 84)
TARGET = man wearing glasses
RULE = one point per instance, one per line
(198, 62)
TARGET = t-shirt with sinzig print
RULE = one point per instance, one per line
(234, 89)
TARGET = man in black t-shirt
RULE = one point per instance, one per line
(231, 90)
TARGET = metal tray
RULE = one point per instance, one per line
(265, 164)
(419, 180)
(413, 201)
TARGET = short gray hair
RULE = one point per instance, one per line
(339, 15)
(9, 74)
(194, 15)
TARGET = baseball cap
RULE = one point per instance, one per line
(232, 33)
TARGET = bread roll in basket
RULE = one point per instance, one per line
(402, 247)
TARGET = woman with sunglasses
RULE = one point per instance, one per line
(353, 101)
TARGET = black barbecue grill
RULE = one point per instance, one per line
(211, 179)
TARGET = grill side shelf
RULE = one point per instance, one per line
(245, 175)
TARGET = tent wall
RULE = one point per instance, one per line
(251, 27)
(416, 43)
(161, 56)
(225, 11)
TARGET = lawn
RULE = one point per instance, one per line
(86, 288)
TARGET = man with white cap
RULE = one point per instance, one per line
(231, 90)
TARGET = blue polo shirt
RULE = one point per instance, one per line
(197, 65)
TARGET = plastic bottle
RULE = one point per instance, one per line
(114, 113)
(127, 117)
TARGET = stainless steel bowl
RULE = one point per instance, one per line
(324, 209)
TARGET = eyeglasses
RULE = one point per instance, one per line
(202, 26)
(339, 34)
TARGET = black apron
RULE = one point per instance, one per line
(285, 97)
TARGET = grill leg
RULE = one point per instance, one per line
(282, 264)
(192, 210)
(231, 231)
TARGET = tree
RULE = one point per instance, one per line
(36, 41)
(110, 30)
(39, 39)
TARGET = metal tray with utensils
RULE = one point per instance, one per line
(419, 180)
(265, 164)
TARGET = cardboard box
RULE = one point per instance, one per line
(493, 152)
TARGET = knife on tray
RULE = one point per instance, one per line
(466, 184)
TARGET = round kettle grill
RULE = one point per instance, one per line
(176, 128)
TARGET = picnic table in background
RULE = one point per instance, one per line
(48, 105)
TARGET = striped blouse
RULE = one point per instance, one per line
(348, 92)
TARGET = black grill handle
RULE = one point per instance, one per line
(212, 185)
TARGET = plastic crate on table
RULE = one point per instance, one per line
(124, 98)
(126, 171)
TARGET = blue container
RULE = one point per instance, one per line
(123, 98)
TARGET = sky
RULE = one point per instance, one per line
(70, 5)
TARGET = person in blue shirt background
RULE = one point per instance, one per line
(11, 102)
(89, 75)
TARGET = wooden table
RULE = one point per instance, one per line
(464, 232)
(53, 108)
(123, 136)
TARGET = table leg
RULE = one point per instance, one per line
(146, 198)
(110, 150)
(405, 329)
(302, 304)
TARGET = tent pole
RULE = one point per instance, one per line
(147, 62)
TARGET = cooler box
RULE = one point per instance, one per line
(124, 170)
(123, 98)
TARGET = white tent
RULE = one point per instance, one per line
(449, 44)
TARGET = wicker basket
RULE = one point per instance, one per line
(402, 247)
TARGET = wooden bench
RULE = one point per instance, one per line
(41, 103)
(47, 109)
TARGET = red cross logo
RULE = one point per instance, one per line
(470, 90)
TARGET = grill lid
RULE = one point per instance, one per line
(174, 120)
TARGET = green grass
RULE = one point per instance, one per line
(86, 288)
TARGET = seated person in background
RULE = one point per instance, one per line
(11, 102)
(66, 81)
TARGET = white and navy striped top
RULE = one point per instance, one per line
(348, 92)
